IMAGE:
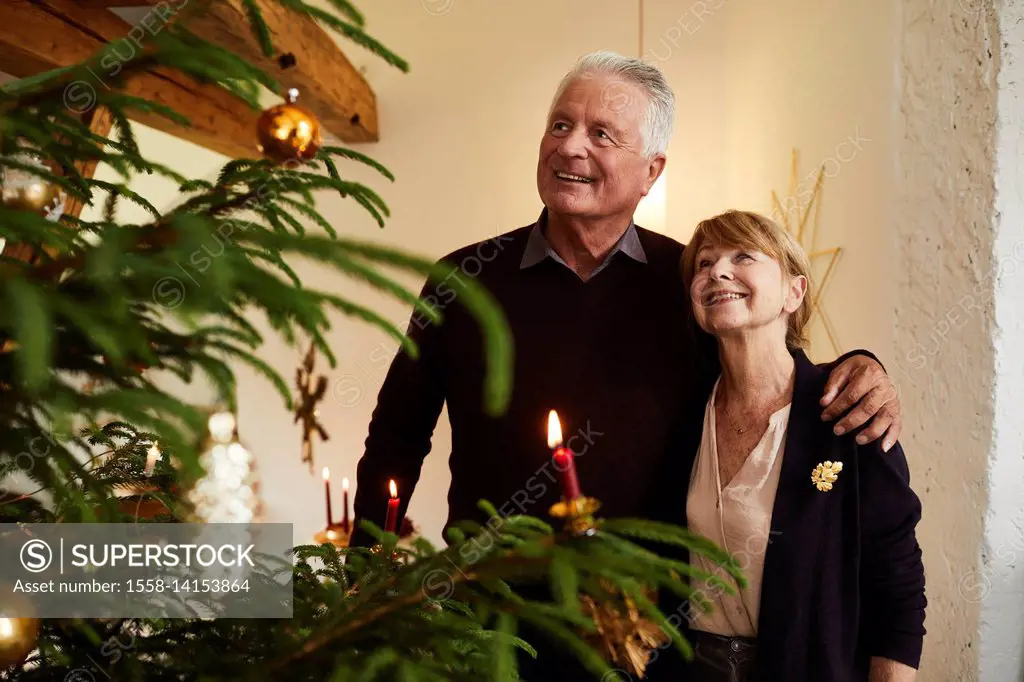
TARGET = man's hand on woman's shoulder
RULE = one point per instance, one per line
(860, 382)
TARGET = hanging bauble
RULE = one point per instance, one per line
(18, 637)
(289, 132)
(22, 190)
(228, 492)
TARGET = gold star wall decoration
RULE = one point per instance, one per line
(306, 411)
(795, 216)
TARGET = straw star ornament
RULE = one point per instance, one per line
(795, 216)
(311, 392)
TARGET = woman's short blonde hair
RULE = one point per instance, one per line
(748, 230)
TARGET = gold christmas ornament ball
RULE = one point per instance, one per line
(18, 637)
(289, 131)
(23, 191)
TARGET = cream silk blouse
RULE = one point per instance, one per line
(737, 518)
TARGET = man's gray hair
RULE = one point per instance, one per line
(657, 120)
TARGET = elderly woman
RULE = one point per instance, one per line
(822, 527)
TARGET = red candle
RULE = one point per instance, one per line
(344, 514)
(564, 460)
(392, 518)
(327, 492)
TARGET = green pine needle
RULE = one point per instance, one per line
(259, 26)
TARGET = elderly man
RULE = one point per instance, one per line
(598, 314)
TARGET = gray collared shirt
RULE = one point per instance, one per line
(538, 248)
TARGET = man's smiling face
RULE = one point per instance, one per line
(591, 162)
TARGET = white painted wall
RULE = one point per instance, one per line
(755, 80)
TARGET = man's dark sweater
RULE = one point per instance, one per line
(611, 354)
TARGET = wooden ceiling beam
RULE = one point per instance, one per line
(329, 85)
(45, 34)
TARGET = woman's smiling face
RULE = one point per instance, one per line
(736, 290)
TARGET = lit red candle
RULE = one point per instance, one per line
(344, 514)
(392, 518)
(564, 460)
(327, 492)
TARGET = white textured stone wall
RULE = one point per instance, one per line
(945, 306)
(1002, 568)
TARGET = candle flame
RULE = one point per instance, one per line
(344, 484)
(327, 473)
(6, 628)
(393, 488)
(554, 430)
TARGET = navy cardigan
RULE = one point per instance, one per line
(843, 579)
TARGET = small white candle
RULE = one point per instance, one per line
(344, 517)
(151, 458)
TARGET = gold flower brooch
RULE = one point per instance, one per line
(825, 474)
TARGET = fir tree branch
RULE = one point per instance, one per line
(350, 31)
(259, 26)
(397, 604)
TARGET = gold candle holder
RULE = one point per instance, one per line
(336, 535)
(578, 514)
(379, 549)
